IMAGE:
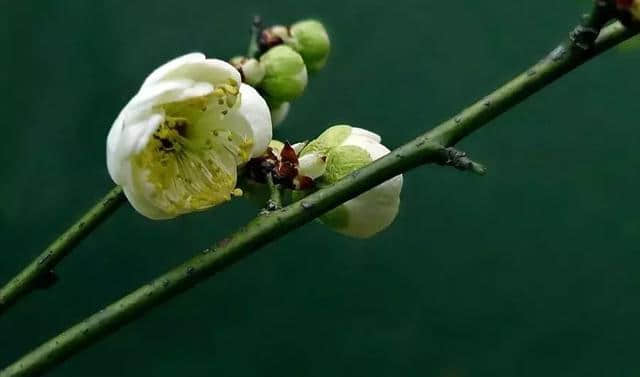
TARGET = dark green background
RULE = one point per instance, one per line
(529, 271)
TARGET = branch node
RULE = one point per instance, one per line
(459, 160)
(584, 35)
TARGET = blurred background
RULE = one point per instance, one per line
(528, 271)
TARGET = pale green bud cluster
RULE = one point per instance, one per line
(307, 37)
(288, 55)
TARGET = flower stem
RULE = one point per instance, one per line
(427, 148)
(275, 195)
(256, 28)
(28, 278)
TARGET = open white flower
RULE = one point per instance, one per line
(176, 146)
(347, 149)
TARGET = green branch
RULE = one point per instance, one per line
(29, 277)
(427, 148)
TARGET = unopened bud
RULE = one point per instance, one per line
(285, 74)
(348, 149)
(310, 39)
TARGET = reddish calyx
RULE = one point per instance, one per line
(283, 169)
(624, 4)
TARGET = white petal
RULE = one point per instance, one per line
(376, 150)
(279, 114)
(113, 138)
(169, 91)
(253, 108)
(172, 65)
(137, 189)
(200, 89)
(312, 165)
(126, 139)
(298, 147)
(376, 209)
(361, 132)
(370, 213)
(139, 134)
(367, 141)
(194, 67)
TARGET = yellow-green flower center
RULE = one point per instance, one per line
(191, 161)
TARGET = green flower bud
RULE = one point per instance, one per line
(347, 149)
(310, 39)
(285, 74)
(344, 160)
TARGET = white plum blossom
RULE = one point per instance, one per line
(345, 150)
(176, 146)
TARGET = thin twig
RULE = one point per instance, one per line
(256, 29)
(29, 277)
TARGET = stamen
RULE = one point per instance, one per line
(231, 100)
(192, 169)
